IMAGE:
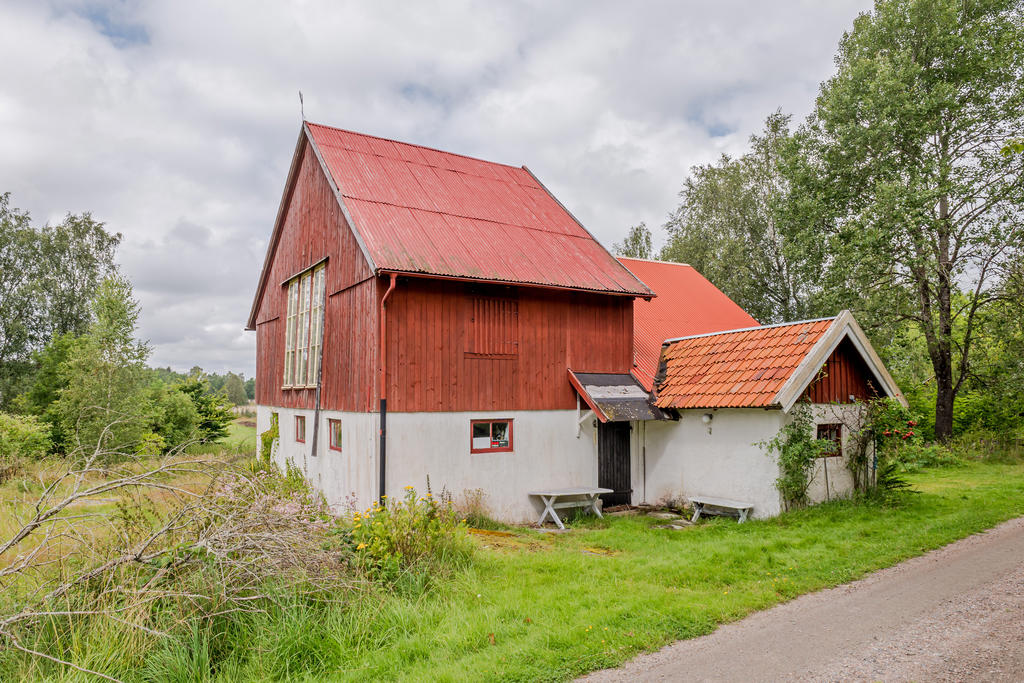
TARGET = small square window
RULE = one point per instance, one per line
(833, 435)
(334, 434)
(490, 436)
(300, 428)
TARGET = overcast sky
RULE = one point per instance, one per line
(174, 122)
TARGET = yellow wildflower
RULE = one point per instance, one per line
(360, 546)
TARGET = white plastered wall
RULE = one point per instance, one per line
(721, 458)
(725, 458)
(346, 477)
(839, 477)
(546, 454)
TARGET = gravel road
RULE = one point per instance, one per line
(954, 614)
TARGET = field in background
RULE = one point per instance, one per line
(20, 493)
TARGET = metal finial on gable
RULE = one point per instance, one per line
(302, 109)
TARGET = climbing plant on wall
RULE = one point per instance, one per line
(796, 447)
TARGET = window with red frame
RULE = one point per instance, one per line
(833, 435)
(334, 434)
(490, 436)
(300, 428)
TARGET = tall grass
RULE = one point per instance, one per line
(546, 607)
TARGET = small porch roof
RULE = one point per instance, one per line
(615, 397)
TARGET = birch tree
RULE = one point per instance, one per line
(911, 133)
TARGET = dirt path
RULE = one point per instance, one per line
(954, 614)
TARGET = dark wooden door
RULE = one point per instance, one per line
(613, 462)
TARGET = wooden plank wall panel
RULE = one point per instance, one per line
(350, 349)
(313, 228)
(428, 330)
(843, 374)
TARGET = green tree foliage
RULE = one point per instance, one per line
(909, 137)
(735, 225)
(22, 437)
(214, 410)
(637, 243)
(103, 403)
(47, 383)
(250, 389)
(47, 276)
(18, 258)
(172, 416)
(234, 389)
(993, 395)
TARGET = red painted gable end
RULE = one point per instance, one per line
(433, 364)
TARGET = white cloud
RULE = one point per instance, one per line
(174, 122)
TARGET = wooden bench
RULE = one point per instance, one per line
(702, 502)
(579, 497)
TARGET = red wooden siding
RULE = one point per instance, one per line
(350, 349)
(844, 374)
(494, 326)
(430, 369)
(314, 228)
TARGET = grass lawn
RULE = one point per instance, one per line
(540, 606)
(547, 607)
(242, 435)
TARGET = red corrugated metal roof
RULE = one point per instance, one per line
(421, 210)
(740, 368)
(686, 304)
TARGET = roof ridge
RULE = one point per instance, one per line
(654, 260)
(413, 144)
(750, 329)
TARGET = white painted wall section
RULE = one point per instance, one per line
(668, 460)
(346, 478)
(546, 454)
(721, 458)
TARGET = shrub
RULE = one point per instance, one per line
(914, 456)
(889, 484)
(267, 439)
(414, 534)
(797, 448)
(172, 416)
(22, 437)
(990, 446)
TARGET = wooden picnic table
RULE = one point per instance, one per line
(700, 502)
(573, 497)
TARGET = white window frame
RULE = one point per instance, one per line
(304, 328)
(316, 331)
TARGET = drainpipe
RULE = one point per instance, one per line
(383, 389)
(643, 458)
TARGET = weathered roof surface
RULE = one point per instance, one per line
(740, 368)
(687, 304)
(421, 210)
(615, 397)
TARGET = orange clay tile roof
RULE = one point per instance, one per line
(738, 368)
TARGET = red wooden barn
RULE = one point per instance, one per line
(427, 315)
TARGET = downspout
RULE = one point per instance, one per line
(643, 459)
(382, 489)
